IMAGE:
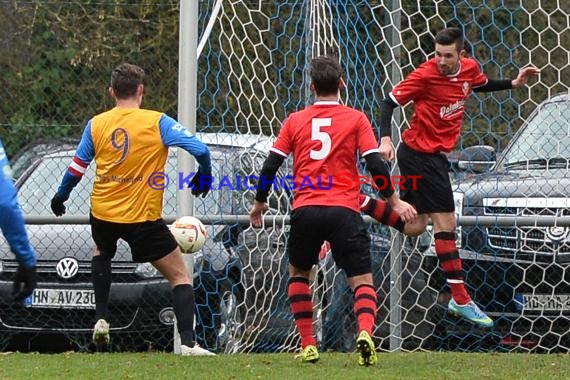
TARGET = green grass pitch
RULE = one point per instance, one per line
(420, 365)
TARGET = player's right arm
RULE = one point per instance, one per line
(404, 92)
(277, 154)
(84, 154)
(386, 111)
(380, 172)
(268, 172)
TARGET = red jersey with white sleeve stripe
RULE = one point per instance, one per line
(439, 103)
(325, 140)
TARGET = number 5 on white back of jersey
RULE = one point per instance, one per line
(318, 135)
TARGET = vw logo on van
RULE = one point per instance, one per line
(556, 233)
(67, 267)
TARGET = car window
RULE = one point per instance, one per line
(35, 189)
(547, 135)
(210, 205)
(250, 165)
(33, 152)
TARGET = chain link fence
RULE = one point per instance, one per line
(252, 70)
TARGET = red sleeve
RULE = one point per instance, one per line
(282, 145)
(411, 88)
(77, 167)
(366, 140)
(479, 79)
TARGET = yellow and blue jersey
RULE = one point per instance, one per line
(128, 146)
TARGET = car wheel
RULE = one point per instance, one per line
(232, 326)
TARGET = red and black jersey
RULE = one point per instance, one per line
(439, 102)
(325, 140)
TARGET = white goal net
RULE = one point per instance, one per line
(254, 71)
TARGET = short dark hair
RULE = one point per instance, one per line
(326, 74)
(449, 36)
(125, 80)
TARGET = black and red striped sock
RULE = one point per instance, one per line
(302, 308)
(365, 306)
(450, 261)
(380, 211)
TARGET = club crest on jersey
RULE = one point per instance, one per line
(466, 87)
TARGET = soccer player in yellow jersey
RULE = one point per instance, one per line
(129, 143)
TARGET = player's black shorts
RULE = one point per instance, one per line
(433, 191)
(344, 229)
(149, 241)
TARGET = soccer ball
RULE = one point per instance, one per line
(190, 233)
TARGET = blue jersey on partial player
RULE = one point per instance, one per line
(11, 216)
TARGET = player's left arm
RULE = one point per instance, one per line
(506, 84)
(175, 134)
(413, 87)
(524, 75)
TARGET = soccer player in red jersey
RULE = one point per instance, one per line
(325, 140)
(439, 89)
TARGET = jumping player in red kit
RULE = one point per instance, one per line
(439, 89)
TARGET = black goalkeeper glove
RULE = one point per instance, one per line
(57, 205)
(24, 283)
(201, 183)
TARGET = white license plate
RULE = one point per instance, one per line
(62, 298)
(546, 302)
